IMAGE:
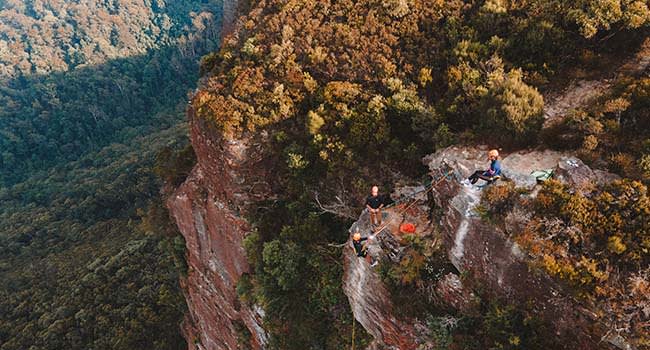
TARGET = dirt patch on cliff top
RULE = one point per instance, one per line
(579, 93)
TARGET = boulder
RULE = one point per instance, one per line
(519, 166)
(573, 172)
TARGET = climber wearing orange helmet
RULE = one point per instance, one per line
(493, 173)
(359, 248)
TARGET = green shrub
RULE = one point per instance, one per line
(512, 108)
(622, 163)
(644, 165)
(442, 329)
(589, 234)
(245, 289)
(174, 166)
(244, 336)
(282, 262)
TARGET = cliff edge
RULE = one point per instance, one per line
(208, 209)
(481, 252)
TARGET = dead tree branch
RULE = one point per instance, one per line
(338, 208)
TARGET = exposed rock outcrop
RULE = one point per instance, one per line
(485, 252)
(368, 297)
(208, 209)
(476, 248)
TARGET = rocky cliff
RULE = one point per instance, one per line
(208, 210)
(368, 297)
(484, 251)
(230, 14)
(479, 250)
(211, 205)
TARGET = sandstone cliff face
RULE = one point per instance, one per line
(483, 251)
(476, 248)
(208, 210)
(368, 297)
(370, 300)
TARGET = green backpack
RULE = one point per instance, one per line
(542, 175)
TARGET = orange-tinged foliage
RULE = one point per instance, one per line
(500, 198)
(616, 217)
(410, 266)
(598, 244)
(357, 91)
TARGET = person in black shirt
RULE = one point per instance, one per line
(374, 203)
(359, 248)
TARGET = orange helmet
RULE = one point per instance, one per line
(356, 236)
(493, 153)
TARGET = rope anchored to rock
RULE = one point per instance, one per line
(433, 183)
(429, 185)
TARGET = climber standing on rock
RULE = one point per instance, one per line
(493, 172)
(374, 203)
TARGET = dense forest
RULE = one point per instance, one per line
(51, 115)
(41, 36)
(93, 97)
(80, 269)
(356, 92)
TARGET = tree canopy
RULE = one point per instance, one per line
(354, 93)
(92, 110)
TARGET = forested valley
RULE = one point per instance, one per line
(343, 94)
(92, 105)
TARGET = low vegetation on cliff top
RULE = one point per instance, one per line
(355, 92)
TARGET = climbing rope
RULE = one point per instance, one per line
(435, 182)
(381, 228)
(428, 186)
(353, 322)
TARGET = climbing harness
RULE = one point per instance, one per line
(492, 180)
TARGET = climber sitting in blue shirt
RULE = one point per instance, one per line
(493, 173)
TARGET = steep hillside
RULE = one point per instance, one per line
(41, 37)
(93, 95)
(104, 90)
(309, 103)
